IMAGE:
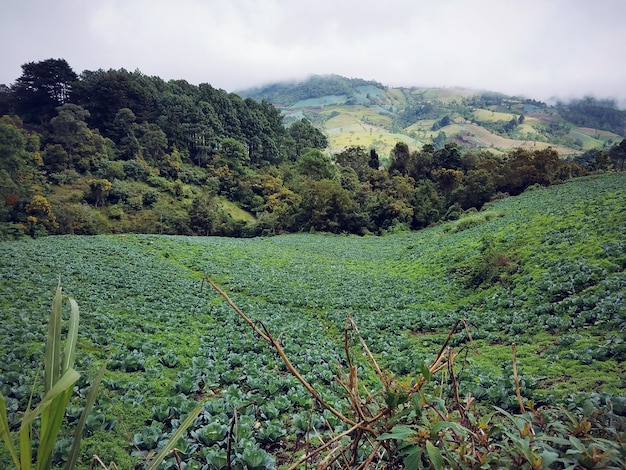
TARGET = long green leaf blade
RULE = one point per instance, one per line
(66, 382)
(25, 449)
(52, 358)
(4, 431)
(55, 413)
(63, 386)
(167, 448)
(78, 433)
(69, 353)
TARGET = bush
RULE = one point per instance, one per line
(81, 219)
(11, 231)
(116, 212)
(121, 191)
(135, 170)
(69, 176)
(114, 170)
(150, 197)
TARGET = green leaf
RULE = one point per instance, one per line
(399, 431)
(56, 398)
(412, 457)
(66, 382)
(53, 404)
(78, 433)
(25, 449)
(434, 455)
(577, 444)
(51, 420)
(167, 448)
(548, 458)
(447, 424)
(4, 431)
(52, 358)
(72, 337)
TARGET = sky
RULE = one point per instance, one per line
(540, 49)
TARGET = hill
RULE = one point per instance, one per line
(120, 152)
(359, 112)
(543, 270)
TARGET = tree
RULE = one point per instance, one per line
(476, 189)
(206, 217)
(232, 154)
(447, 157)
(170, 163)
(55, 158)
(422, 163)
(447, 179)
(6, 100)
(518, 172)
(123, 130)
(326, 206)
(618, 153)
(440, 140)
(315, 165)
(42, 87)
(386, 212)
(69, 127)
(40, 210)
(427, 204)
(12, 148)
(547, 163)
(374, 161)
(304, 136)
(400, 159)
(98, 191)
(104, 93)
(356, 158)
(153, 141)
(278, 210)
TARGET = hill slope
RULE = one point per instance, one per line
(359, 112)
(544, 270)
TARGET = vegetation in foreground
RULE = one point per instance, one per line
(543, 270)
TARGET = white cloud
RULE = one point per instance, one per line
(539, 48)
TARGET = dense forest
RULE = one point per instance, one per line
(117, 151)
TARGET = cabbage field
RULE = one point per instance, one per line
(543, 271)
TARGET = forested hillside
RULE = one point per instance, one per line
(359, 112)
(117, 151)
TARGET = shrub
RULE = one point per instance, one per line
(135, 170)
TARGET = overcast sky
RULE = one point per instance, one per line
(535, 48)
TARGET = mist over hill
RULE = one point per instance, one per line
(354, 111)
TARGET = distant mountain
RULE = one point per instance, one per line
(353, 111)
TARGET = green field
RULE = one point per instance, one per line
(347, 126)
(486, 115)
(544, 270)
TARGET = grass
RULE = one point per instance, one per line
(486, 115)
(236, 212)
